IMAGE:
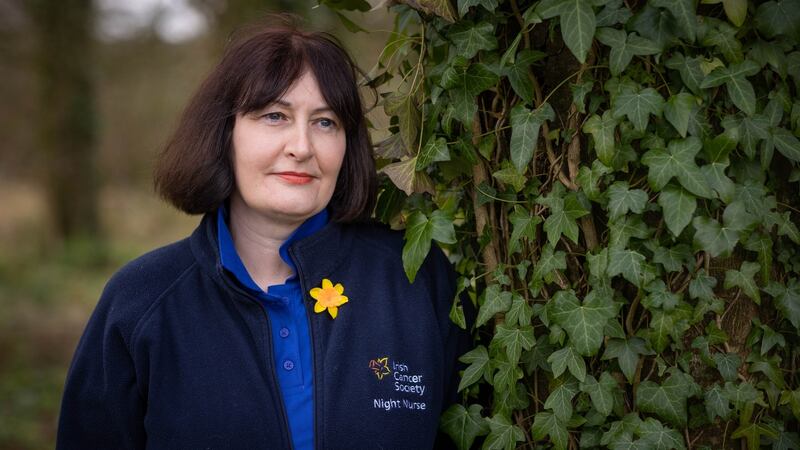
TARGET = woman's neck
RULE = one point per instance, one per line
(258, 241)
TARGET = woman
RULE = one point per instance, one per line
(285, 320)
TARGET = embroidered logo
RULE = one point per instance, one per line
(405, 390)
(380, 366)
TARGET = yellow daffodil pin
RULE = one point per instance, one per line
(328, 297)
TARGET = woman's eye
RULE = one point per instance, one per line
(327, 123)
(274, 116)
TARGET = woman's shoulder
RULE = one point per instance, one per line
(140, 282)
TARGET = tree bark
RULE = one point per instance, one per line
(66, 122)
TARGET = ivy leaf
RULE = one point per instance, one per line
(713, 238)
(637, 104)
(792, 398)
(464, 83)
(689, 68)
(728, 365)
(702, 285)
(584, 323)
(520, 312)
(684, 13)
(787, 300)
(560, 400)
(678, 110)
(602, 130)
(405, 176)
(469, 38)
(503, 435)
(627, 352)
(677, 161)
(659, 437)
(678, 206)
(660, 296)
(507, 374)
(408, 115)
(577, 23)
(478, 360)
(601, 393)
(718, 239)
(563, 215)
(752, 130)
(549, 261)
(718, 181)
(495, 301)
(420, 230)
(739, 89)
(588, 179)
(435, 150)
(717, 403)
(736, 10)
(525, 124)
(464, 425)
(787, 144)
(465, 5)
(514, 339)
(509, 175)
(519, 73)
(630, 264)
(741, 394)
(668, 400)
(567, 358)
(655, 25)
(621, 199)
(624, 47)
(547, 424)
(524, 226)
(743, 279)
(661, 326)
(752, 432)
(612, 14)
(776, 18)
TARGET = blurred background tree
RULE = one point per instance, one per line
(90, 92)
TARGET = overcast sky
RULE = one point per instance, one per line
(173, 20)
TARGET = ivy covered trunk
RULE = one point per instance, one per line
(617, 184)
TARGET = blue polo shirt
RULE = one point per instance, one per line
(291, 340)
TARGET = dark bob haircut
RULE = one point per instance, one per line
(194, 171)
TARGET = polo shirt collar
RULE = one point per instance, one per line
(230, 258)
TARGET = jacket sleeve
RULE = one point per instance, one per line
(102, 406)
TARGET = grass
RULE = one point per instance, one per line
(48, 291)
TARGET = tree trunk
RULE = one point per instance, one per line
(66, 118)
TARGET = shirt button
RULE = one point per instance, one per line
(284, 332)
(288, 364)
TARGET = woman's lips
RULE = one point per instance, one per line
(295, 177)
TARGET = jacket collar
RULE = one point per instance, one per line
(315, 256)
(231, 261)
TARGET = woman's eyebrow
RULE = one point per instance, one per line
(321, 109)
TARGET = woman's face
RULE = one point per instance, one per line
(287, 156)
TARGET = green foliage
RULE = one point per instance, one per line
(617, 183)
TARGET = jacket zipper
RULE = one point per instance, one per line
(269, 361)
(314, 371)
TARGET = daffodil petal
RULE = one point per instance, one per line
(315, 293)
(334, 311)
(339, 288)
(341, 300)
(319, 307)
(326, 284)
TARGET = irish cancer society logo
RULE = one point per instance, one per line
(380, 366)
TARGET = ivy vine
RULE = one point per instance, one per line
(617, 184)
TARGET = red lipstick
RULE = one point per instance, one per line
(295, 177)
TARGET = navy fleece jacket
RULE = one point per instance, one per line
(177, 355)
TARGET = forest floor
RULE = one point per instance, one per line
(48, 291)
